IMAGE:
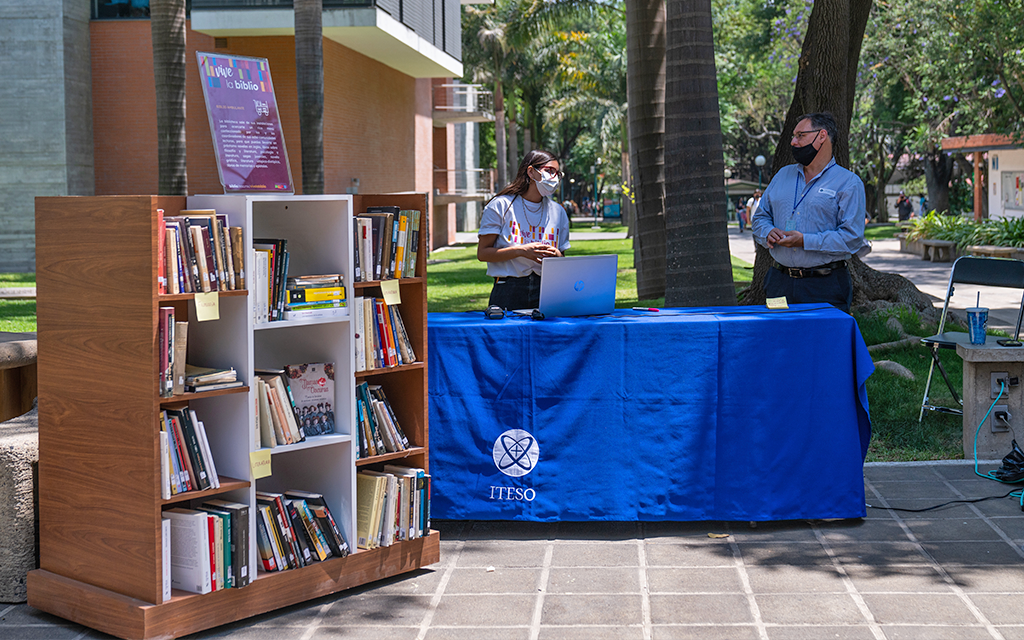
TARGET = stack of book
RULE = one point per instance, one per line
(381, 338)
(294, 529)
(392, 506)
(270, 273)
(294, 403)
(386, 241)
(173, 337)
(208, 547)
(379, 431)
(199, 253)
(186, 463)
(198, 379)
(315, 296)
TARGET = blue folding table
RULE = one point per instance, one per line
(732, 413)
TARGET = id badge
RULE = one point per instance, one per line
(793, 224)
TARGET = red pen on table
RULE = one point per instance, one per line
(645, 309)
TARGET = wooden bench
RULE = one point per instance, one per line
(991, 250)
(938, 250)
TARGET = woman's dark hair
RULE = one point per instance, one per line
(536, 158)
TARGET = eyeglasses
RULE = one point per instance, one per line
(550, 172)
(798, 135)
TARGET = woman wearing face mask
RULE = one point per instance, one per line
(521, 226)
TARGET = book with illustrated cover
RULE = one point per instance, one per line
(312, 388)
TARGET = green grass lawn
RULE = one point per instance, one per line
(881, 232)
(17, 315)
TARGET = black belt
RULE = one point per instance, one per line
(500, 279)
(811, 272)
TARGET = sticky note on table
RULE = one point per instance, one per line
(259, 461)
(392, 294)
(777, 303)
(207, 306)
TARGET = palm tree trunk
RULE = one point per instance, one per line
(699, 268)
(167, 29)
(645, 88)
(500, 147)
(826, 81)
(309, 80)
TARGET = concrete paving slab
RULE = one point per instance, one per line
(694, 580)
(809, 608)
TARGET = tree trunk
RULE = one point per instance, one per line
(167, 28)
(645, 88)
(499, 135)
(309, 80)
(513, 137)
(938, 170)
(826, 81)
(699, 268)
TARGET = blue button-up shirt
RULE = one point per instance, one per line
(829, 211)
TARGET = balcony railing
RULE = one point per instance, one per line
(462, 185)
(462, 103)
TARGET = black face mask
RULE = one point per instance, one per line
(805, 154)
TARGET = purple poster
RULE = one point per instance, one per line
(244, 121)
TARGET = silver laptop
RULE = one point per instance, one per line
(577, 285)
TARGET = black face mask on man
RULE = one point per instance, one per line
(805, 154)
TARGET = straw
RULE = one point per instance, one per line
(978, 303)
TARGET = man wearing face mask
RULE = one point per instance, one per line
(521, 226)
(811, 220)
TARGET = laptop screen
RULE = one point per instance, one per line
(578, 285)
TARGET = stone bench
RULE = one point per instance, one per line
(938, 250)
(19, 458)
(909, 246)
(991, 251)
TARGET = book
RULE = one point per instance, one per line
(332, 532)
(400, 249)
(238, 256)
(261, 292)
(165, 331)
(413, 246)
(165, 465)
(316, 535)
(239, 538)
(178, 365)
(312, 387)
(301, 535)
(369, 502)
(268, 557)
(165, 558)
(204, 448)
(184, 459)
(190, 550)
(316, 294)
(268, 436)
(286, 536)
(360, 340)
(194, 458)
(313, 314)
(161, 256)
(199, 376)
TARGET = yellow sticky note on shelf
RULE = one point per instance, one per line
(777, 303)
(260, 462)
(392, 295)
(208, 306)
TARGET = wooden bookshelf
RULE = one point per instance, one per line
(99, 470)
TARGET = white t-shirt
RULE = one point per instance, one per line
(514, 224)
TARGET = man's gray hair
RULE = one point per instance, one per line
(823, 120)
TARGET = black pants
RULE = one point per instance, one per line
(516, 293)
(835, 288)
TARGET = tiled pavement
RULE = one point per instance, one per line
(955, 573)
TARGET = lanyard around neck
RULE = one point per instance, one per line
(796, 187)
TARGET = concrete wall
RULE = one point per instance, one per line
(999, 163)
(45, 144)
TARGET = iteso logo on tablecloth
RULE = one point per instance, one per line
(515, 453)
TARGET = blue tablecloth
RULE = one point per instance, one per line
(735, 413)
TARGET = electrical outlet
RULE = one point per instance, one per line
(1000, 418)
(997, 378)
